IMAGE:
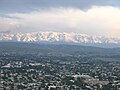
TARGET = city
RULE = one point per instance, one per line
(59, 44)
(60, 75)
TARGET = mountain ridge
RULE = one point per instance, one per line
(58, 37)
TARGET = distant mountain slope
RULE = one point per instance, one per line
(58, 37)
(37, 50)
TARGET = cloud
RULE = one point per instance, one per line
(98, 20)
(102, 20)
(8, 24)
(8, 6)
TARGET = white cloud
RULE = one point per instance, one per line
(102, 20)
(8, 24)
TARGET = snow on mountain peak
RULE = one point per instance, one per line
(56, 37)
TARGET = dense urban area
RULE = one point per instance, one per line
(59, 75)
(29, 69)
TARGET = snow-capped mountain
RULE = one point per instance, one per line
(57, 37)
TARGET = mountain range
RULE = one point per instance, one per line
(63, 37)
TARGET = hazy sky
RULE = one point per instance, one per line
(94, 17)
